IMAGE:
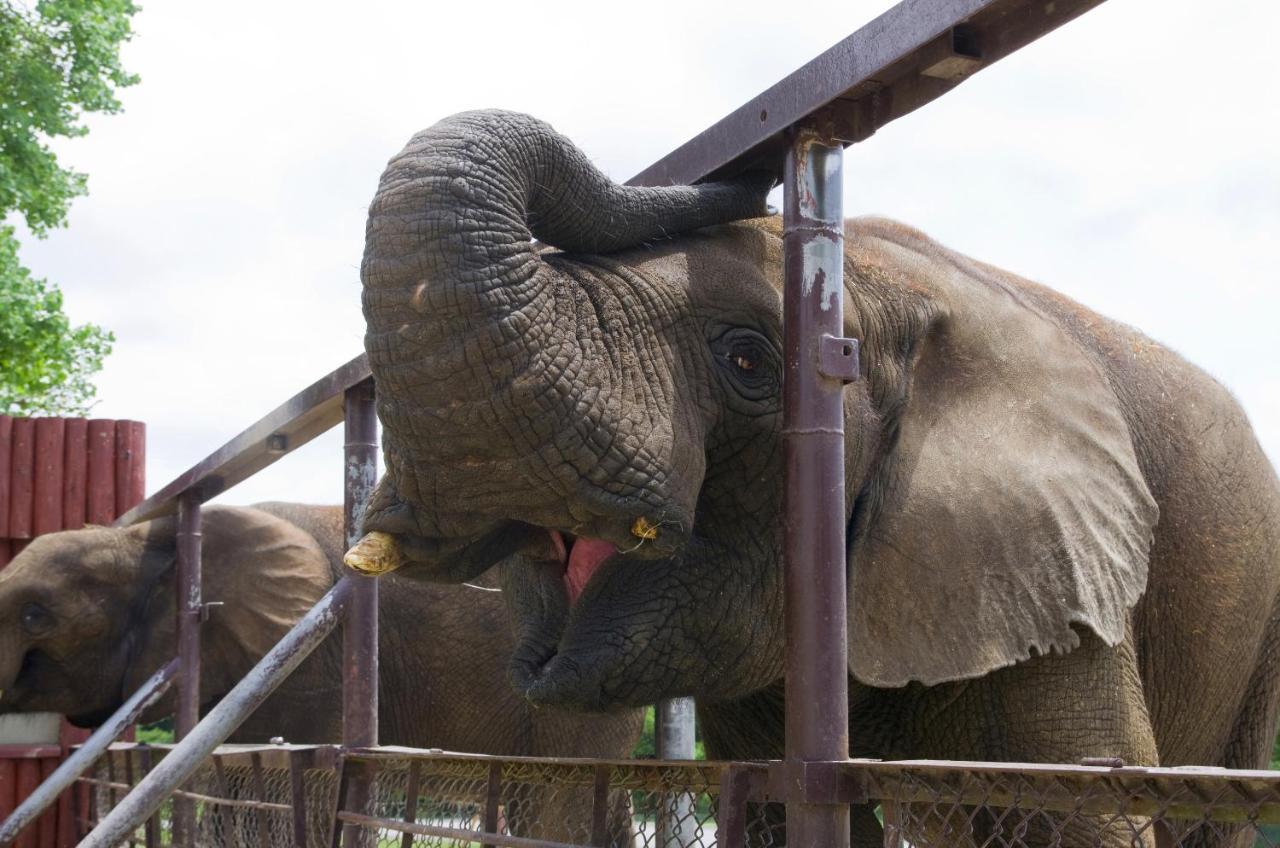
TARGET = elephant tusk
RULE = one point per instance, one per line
(643, 530)
(377, 553)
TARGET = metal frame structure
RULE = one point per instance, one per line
(910, 55)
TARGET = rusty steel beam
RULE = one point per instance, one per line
(288, 427)
(817, 362)
(189, 609)
(360, 630)
(912, 54)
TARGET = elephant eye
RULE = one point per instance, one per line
(750, 361)
(36, 618)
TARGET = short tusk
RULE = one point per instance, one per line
(376, 553)
(643, 530)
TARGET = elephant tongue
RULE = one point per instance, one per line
(584, 556)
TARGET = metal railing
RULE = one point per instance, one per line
(913, 53)
(295, 795)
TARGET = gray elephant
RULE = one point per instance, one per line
(87, 615)
(1062, 538)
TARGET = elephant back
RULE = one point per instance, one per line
(323, 523)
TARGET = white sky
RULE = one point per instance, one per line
(1131, 160)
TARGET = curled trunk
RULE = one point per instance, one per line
(478, 378)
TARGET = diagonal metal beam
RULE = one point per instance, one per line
(912, 54)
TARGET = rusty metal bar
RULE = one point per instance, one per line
(731, 814)
(88, 753)
(913, 53)
(360, 630)
(189, 576)
(245, 697)
(492, 799)
(411, 801)
(260, 789)
(298, 798)
(815, 371)
(600, 807)
(151, 829)
(286, 428)
(369, 823)
(189, 608)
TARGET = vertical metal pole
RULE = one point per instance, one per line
(674, 735)
(189, 580)
(817, 695)
(360, 629)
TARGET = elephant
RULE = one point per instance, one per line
(87, 615)
(1063, 540)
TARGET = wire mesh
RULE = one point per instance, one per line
(451, 801)
(253, 797)
(980, 805)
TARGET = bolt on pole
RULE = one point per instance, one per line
(817, 364)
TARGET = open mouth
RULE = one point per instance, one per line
(581, 558)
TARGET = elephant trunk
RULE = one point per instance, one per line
(461, 307)
(12, 653)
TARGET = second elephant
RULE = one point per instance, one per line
(87, 615)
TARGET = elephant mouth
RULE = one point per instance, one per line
(581, 558)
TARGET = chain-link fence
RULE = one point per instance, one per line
(252, 797)
(243, 796)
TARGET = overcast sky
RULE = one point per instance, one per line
(1130, 159)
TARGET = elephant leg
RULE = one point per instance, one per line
(1055, 708)
(1250, 746)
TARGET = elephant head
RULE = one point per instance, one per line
(612, 412)
(87, 615)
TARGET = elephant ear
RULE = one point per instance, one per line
(1011, 508)
(263, 572)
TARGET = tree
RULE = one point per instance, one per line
(59, 60)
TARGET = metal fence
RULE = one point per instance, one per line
(284, 795)
(257, 796)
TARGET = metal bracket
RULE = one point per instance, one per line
(207, 607)
(838, 358)
(816, 782)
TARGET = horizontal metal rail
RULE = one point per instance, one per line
(291, 425)
(455, 833)
(72, 767)
(245, 697)
(912, 54)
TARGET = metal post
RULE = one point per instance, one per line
(189, 581)
(70, 769)
(817, 363)
(237, 705)
(360, 630)
(674, 735)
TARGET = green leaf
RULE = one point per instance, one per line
(46, 364)
(59, 60)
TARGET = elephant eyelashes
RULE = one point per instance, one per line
(36, 618)
(750, 362)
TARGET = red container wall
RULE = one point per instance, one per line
(59, 474)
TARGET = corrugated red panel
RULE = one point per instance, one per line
(59, 474)
(101, 487)
(75, 474)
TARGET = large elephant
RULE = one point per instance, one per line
(87, 615)
(1063, 539)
